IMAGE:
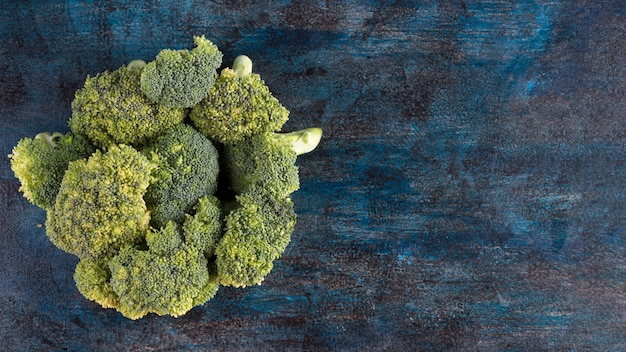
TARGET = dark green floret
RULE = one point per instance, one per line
(257, 232)
(181, 78)
(39, 164)
(203, 229)
(267, 161)
(187, 169)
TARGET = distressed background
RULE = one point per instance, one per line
(468, 194)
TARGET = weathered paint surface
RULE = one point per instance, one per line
(468, 194)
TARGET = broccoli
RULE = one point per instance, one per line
(181, 78)
(238, 106)
(100, 206)
(170, 277)
(171, 182)
(257, 232)
(111, 109)
(187, 169)
(40, 163)
(267, 161)
(203, 229)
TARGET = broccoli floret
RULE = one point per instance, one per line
(257, 232)
(204, 228)
(171, 277)
(39, 164)
(100, 206)
(187, 170)
(267, 161)
(93, 280)
(238, 106)
(111, 109)
(181, 78)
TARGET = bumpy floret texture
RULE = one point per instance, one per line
(100, 206)
(181, 78)
(111, 109)
(237, 108)
(187, 169)
(40, 163)
(203, 229)
(161, 209)
(169, 278)
(264, 161)
(256, 233)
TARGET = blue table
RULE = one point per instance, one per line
(468, 194)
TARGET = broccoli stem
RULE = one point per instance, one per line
(302, 141)
(49, 139)
(137, 64)
(242, 65)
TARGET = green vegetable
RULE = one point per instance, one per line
(40, 163)
(161, 209)
(267, 161)
(238, 106)
(257, 232)
(111, 109)
(187, 170)
(181, 78)
(100, 205)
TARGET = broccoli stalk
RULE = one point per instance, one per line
(302, 141)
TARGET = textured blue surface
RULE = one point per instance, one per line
(468, 193)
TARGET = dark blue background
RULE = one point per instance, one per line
(468, 194)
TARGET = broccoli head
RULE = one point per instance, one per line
(187, 169)
(256, 233)
(267, 161)
(238, 106)
(203, 229)
(169, 278)
(181, 78)
(100, 206)
(111, 109)
(39, 164)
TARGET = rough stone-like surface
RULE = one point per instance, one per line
(468, 194)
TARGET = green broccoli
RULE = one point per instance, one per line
(187, 170)
(181, 78)
(238, 106)
(111, 109)
(93, 280)
(267, 161)
(257, 232)
(160, 209)
(170, 277)
(40, 163)
(100, 206)
(203, 229)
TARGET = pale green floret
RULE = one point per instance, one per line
(238, 106)
(257, 233)
(169, 278)
(39, 164)
(100, 205)
(111, 109)
(181, 78)
(92, 279)
(203, 229)
(187, 170)
(267, 161)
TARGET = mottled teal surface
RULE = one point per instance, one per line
(468, 194)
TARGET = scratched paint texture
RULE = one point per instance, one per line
(468, 194)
